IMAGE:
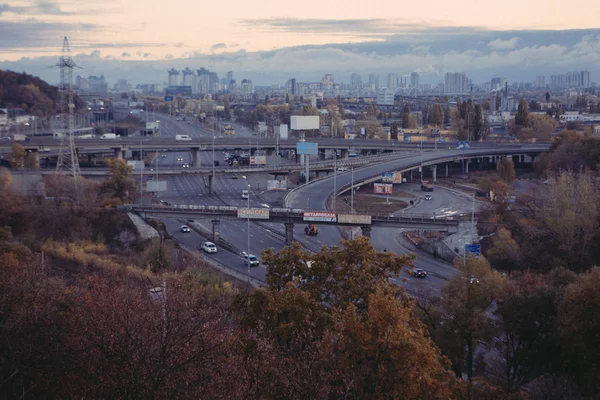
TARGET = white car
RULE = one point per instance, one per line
(245, 194)
(428, 197)
(251, 259)
(209, 247)
(186, 165)
(342, 169)
(184, 229)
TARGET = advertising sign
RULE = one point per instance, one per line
(253, 213)
(304, 122)
(283, 131)
(319, 216)
(387, 177)
(168, 98)
(307, 148)
(382, 188)
(463, 146)
(258, 160)
(407, 138)
(354, 219)
(397, 177)
(274, 184)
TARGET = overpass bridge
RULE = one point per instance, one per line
(289, 217)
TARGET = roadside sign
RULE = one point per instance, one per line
(473, 248)
(354, 219)
(463, 146)
(387, 177)
(319, 216)
(253, 213)
(168, 98)
(307, 148)
(382, 188)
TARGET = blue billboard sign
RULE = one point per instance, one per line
(307, 148)
(407, 138)
(442, 140)
(473, 248)
(387, 177)
(168, 98)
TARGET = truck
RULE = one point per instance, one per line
(19, 137)
(229, 130)
(311, 230)
(183, 137)
(108, 136)
(427, 186)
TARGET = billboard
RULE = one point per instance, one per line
(387, 177)
(152, 125)
(156, 186)
(274, 184)
(304, 122)
(253, 213)
(473, 248)
(258, 160)
(397, 177)
(283, 131)
(307, 148)
(354, 219)
(382, 188)
(319, 216)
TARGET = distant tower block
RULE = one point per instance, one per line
(173, 77)
(67, 156)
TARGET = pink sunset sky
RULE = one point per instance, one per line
(158, 29)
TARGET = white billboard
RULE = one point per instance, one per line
(304, 122)
(283, 131)
(274, 184)
(253, 213)
(354, 219)
(319, 216)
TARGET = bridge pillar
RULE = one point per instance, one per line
(196, 157)
(270, 152)
(119, 153)
(344, 153)
(411, 175)
(447, 169)
(467, 162)
(533, 161)
(321, 154)
(215, 229)
(366, 230)
(434, 172)
(289, 232)
(210, 185)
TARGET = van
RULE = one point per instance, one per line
(245, 194)
(108, 136)
(183, 137)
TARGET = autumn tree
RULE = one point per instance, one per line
(463, 312)
(522, 115)
(478, 128)
(504, 254)
(506, 170)
(17, 155)
(405, 117)
(394, 131)
(437, 116)
(120, 186)
(579, 325)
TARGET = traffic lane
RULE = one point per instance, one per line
(194, 240)
(443, 203)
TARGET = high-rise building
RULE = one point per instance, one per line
(291, 86)
(540, 81)
(585, 79)
(355, 80)
(229, 78)
(327, 82)
(414, 80)
(374, 81)
(456, 82)
(392, 81)
(188, 76)
(246, 88)
(173, 77)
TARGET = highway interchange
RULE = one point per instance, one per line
(191, 189)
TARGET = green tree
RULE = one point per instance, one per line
(506, 170)
(405, 117)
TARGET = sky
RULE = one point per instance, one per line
(269, 41)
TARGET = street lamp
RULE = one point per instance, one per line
(248, 215)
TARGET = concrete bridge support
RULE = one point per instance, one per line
(447, 164)
(411, 175)
(366, 230)
(215, 229)
(211, 184)
(434, 172)
(345, 153)
(467, 162)
(289, 232)
(196, 157)
(119, 153)
(321, 154)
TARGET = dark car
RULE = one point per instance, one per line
(419, 273)
(234, 176)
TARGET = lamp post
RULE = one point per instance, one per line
(248, 215)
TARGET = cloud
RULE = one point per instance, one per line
(146, 55)
(41, 7)
(125, 54)
(33, 33)
(500, 44)
(218, 46)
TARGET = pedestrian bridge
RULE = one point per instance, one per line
(291, 216)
